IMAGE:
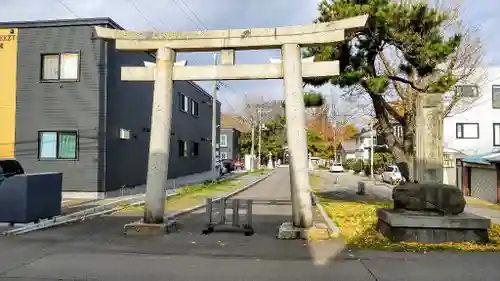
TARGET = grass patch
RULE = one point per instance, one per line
(314, 180)
(479, 202)
(259, 171)
(357, 221)
(191, 196)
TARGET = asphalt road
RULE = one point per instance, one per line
(97, 250)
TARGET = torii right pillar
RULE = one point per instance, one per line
(428, 164)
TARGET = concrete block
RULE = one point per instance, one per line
(431, 227)
(148, 229)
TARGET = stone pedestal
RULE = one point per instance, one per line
(430, 227)
(147, 229)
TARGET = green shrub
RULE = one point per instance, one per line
(349, 164)
(358, 166)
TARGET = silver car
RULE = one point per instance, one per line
(336, 168)
(392, 175)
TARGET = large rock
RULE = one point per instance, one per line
(443, 198)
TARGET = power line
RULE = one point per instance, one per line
(191, 19)
(142, 14)
(67, 8)
(193, 13)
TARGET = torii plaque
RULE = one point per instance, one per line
(292, 70)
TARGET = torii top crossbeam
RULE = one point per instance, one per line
(237, 39)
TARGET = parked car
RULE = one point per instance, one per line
(336, 168)
(228, 165)
(238, 165)
(392, 175)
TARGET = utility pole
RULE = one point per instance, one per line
(259, 120)
(252, 151)
(371, 151)
(214, 123)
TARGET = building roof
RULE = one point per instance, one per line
(348, 146)
(61, 22)
(230, 129)
(485, 159)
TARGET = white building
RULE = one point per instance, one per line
(473, 127)
(363, 144)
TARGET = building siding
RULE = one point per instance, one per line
(98, 106)
(8, 72)
(479, 111)
(233, 143)
(59, 106)
(129, 106)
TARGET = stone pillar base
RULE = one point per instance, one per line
(149, 229)
(317, 232)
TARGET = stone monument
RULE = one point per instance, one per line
(430, 213)
(270, 161)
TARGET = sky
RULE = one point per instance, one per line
(188, 15)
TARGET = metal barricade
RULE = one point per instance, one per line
(216, 215)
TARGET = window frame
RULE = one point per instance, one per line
(195, 151)
(475, 87)
(496, 126)
(224, 153)
(58, 133)
(225, 140)
(184, 150)
(493, 87)
(59, 60)
(182, 98)
(193, 103)
(457, 125)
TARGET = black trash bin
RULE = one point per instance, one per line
(25, 197)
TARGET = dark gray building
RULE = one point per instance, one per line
(74, 115)
(230, 144)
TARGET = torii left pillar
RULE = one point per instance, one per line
(159, 146)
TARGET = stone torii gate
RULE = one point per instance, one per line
(292, 70)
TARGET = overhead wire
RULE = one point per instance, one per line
(61, 2)
(201, 26)
(149, 22)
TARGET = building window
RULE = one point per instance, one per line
(183, 102)
(223, 141)
(57, 145)
(467, 130)
(223, 155)
(495, 99)
(194, 108)
(467, 91)
(496, 134)
(195, 152)
(183, 148)
(61, 67)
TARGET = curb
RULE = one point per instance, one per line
(197, 207)
(332, 226)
